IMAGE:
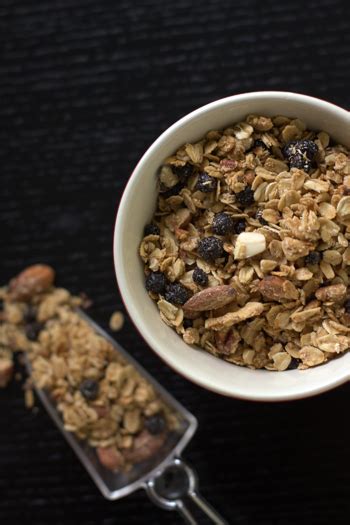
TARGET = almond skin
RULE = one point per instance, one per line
(210, 299)
(276, 288)
(34, 279)
(110, 458)
(145, 446)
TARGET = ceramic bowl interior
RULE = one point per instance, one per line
(136, 209)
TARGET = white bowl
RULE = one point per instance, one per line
(136, 209)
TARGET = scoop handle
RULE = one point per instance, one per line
(176, 488)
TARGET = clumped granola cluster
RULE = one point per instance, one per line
(251, 231)
(101, 397)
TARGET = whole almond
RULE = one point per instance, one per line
(110, 458)
(210, 299)
(334, 292)
(145, 445)
(34, 279)
(276, 288)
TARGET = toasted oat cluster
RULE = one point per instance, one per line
(248, 254)
(101, 397)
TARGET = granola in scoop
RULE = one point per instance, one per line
(247, 255)
(102, 399)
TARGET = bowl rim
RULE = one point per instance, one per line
(307, 391)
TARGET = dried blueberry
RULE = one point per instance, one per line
(33, 330)
(293, 364)
(313, 258)
(347, 306)
(89, 389)
(300, 154)
(151, 229)
(210, 248)
(187, 323)
(30, 314)
(170, 192)
(222, 224)
(176, 293)
(183, 172)
(155, 424)
(239, 226)
(200, 277)
(259, 217)
(245, 197)
(1, 304)
(155, 282)
(260, 144)
(206, 183)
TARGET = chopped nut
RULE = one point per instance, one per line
(334, 292)
(249, 244)
(276, 288)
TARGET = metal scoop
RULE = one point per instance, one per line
(169, 482)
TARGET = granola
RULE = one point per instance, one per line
(247, 255)
(116, 321)
(102, 398)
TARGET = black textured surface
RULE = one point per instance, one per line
(85, 87)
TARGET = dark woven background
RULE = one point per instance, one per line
(85, 87)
